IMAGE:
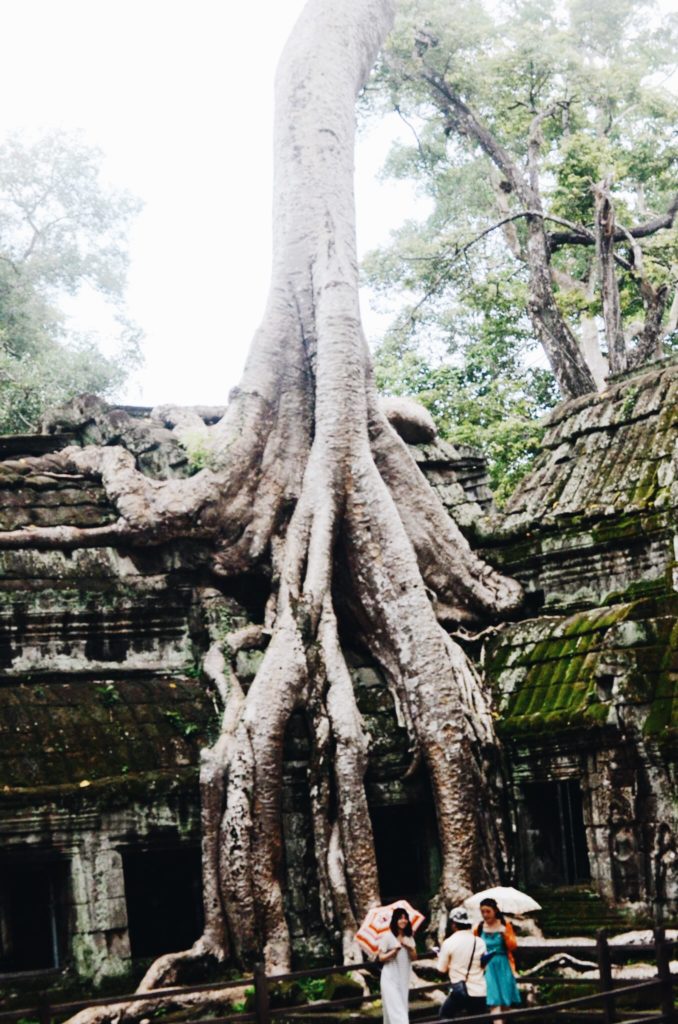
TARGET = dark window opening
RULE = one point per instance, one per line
(534, 602)
(251, 590)
(32, 912)
(163, 891)
(604, 686)
(407, 851)
(553, 833)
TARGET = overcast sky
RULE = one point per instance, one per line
(178, 95)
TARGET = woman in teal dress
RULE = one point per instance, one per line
(500, 941)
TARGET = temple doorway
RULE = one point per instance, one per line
(32, 911)
(164, 898)
(407, 851)
(553, 834)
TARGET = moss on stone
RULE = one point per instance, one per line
(554, 683)
(341, 986)
(639, 589)
(56, 732)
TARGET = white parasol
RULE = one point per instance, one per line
(509, 900)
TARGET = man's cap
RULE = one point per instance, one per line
(459, 915)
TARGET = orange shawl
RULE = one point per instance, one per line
(509, 939)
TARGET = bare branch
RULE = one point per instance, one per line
(567, 361)
(11, 262)
(535, 140)
(422, 152)
(609, 287)
(650, 227)
(649, 346)
(502, 200)
(460, 250)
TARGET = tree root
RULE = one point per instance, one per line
(468, 588)
(148, 1008)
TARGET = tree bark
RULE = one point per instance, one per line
(588, 325)
(609, 287)
(650, 342)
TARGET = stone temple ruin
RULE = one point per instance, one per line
(103, 711)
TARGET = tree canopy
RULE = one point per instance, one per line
(61, 229)
(543, 137)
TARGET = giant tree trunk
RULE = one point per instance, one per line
(309, 477)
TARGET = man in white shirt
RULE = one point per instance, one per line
(459, 958)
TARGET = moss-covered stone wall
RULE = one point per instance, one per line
(586, 687)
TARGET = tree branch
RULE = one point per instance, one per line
(461, 118)
(567, 361)
(535, 140)
(649, 345)
(580, 236)
(6, 259)
(409, 124)
(460, 250)
(609, 287)
(672, 323)
(502, 201)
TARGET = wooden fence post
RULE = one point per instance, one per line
(44, 1012)
(663, 953)
(605, 974)
(262, 1006)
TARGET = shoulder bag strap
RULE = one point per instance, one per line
(468, 969)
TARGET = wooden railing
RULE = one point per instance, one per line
(603, 1003)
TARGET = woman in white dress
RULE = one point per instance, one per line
(396, 953)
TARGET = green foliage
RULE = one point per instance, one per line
(313, 988)
(477, 382)
(50, 374)
(181, 724)
(108, 693)
(498, 414)
(456, 282)
(582, 160)
(197, 450)
(242, 1004)
(630, 399)
(62, 229)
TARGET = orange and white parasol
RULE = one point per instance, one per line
(378, 921)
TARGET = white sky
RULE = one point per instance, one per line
(178, 95)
